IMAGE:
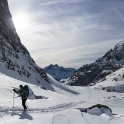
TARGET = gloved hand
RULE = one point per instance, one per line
(14, 90)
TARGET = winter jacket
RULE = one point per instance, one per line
(22, 93)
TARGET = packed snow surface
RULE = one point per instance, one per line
(61, 106)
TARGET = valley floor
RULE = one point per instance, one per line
(58, 108)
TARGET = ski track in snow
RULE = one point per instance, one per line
(57, 108)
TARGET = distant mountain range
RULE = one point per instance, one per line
(59, 72)
(91, 73)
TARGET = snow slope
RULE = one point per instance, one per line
(58, 108)
(45, 107)
(113, 82)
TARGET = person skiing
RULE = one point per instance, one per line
(23, 95)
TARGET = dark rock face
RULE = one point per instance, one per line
(91, 73)
(13, 55)
(98, 106)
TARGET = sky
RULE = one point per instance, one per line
(69, 33)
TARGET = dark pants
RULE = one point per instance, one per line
(23, 103)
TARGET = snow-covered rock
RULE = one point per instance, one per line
(59, 72)
(99, 110)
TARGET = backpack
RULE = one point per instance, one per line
(26, 89)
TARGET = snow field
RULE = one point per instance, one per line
(59, 108)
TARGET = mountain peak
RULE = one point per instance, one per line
(59, 72)
(119, 46)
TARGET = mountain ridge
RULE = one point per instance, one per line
(59, 72)
(15, 60)
(91, 73)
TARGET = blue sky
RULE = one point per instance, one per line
(69, 33)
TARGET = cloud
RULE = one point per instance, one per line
(48, 2)
(74, 57)
(119, 14)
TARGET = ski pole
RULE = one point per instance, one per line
(13, 98)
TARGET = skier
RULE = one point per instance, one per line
(23, 95)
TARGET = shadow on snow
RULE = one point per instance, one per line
(23, 115)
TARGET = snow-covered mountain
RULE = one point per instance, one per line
(109, 63)
(66, 105)
(15, 59)
(59, 72)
